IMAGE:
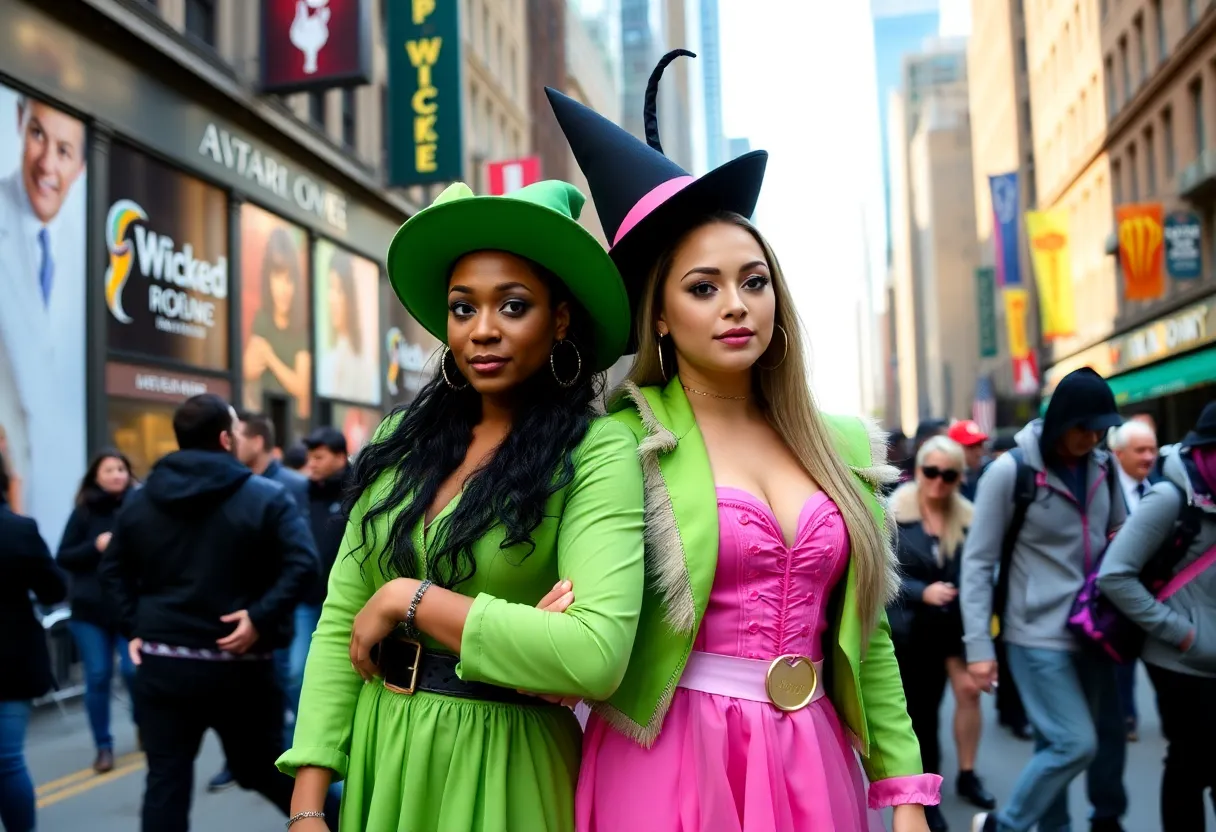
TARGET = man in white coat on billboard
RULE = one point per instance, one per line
(42, 307)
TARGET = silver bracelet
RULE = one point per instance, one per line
(411, 631)
(298, 816)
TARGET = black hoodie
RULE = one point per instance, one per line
(1082, 399)
(201, 539)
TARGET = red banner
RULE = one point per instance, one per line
(1026, 375)
(1142, 250)
(315, 44)
(505, 177)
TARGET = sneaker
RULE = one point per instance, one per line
(971, 789)
(104, 761)
(1105, 825)
(935, 819)
(984, 822)
(221, 781)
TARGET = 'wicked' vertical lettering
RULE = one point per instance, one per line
(423, 55)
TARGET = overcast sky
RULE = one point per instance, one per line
(798, 81)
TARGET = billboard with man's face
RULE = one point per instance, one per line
(42, 308)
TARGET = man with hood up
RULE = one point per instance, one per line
(204, 568)
(1070, 694)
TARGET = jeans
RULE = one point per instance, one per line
(179, 699)
(306, 618)
(16, 787)
(1072, 701)
(1126, 674)
(97, 646)
(1189, 725)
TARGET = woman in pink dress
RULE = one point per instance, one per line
(763, 662)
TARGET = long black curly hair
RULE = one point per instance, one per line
(428, 440)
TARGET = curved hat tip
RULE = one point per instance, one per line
(650, 111)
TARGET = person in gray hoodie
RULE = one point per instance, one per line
(1070, 694)
(1180, 649)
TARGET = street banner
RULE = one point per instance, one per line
(510, 176)
(1005, 215)
(1047, 232)
(1026, 376)
(1015, 322)
(315, 44)
(1142, 250)
(424, 92)
(985, 294)
(1183, 246)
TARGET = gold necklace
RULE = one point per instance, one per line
(713, 395)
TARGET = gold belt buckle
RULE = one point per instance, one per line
(408, 642)
(791, 682)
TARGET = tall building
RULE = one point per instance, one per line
(711, 72)
(901, 27)
(1001, 143)
(642, 44)
(1144, 136)
(931, 263)
(548, 68)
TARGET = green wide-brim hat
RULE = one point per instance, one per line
(538, 222)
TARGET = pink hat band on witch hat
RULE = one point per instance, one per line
(656, 197)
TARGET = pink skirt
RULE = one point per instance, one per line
(725, 765)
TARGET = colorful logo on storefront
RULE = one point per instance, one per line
(405, 364)
(122, 255)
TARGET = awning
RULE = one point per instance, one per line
(1167, 377)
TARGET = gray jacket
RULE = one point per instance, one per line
(1191, 608)
(1047, 569)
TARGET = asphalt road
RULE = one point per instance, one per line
(71, 797)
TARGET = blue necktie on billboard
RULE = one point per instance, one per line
(46, 271)
(1005, 214)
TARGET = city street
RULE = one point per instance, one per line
(71, 797)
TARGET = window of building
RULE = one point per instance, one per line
(511, 79)
(485, 30)
(1083, 116)
(1112, 102)
(1032, 195)
(1125, 72)
(316, 108)
(1021, 54)
(1116, 181)
(1141, 48)
(1159, 27)
(499, 52)
(1201, 134)
(200, 20)
(348, 117)
(1167, 140)
(1192, 12)
(1104, 7)
(1133, 173)
(1150, 162)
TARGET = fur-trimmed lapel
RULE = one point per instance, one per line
(906, 507)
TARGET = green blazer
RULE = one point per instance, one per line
(862, 679)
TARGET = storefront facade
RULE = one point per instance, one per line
(1165, 368)
(152, 248)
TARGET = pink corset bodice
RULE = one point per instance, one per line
(769, 599)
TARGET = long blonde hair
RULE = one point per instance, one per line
(957, 514)
(785, 395)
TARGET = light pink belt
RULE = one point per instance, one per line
(787, 682)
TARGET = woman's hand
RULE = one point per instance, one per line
(557, 600)
(909, 817)
(939, 593)
(102, 541)
(382, 612)
(310, 825)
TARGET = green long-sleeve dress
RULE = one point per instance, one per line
(430, 763)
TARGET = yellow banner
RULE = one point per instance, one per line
(1047, 232)
(1015, 322)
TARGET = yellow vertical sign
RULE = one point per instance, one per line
(1015, 323)
(1047, 232)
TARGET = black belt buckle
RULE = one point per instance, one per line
(400, 661)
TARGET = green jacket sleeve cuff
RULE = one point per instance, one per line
(295, 759)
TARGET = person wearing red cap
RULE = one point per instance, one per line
(969, 434)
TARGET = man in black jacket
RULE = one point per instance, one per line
(204, 568)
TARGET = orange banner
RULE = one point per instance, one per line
(1142, 250)
(1015, 323)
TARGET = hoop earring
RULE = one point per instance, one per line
(443, 367)
(662, 369)
(785, 341)
(578, 356)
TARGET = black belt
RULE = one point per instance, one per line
(406, 667)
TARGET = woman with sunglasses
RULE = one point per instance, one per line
(926, 622)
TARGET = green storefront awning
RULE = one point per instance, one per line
(1171, 376)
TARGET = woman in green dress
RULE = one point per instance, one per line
(499, 485)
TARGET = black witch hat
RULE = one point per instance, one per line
(645, 201)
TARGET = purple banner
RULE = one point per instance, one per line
(1005, 228)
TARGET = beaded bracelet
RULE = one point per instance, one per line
(298, 816)
(411, 630)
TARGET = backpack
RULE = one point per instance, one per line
(1025, 490)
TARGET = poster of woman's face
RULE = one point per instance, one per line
(277, 361)
(347, 325)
